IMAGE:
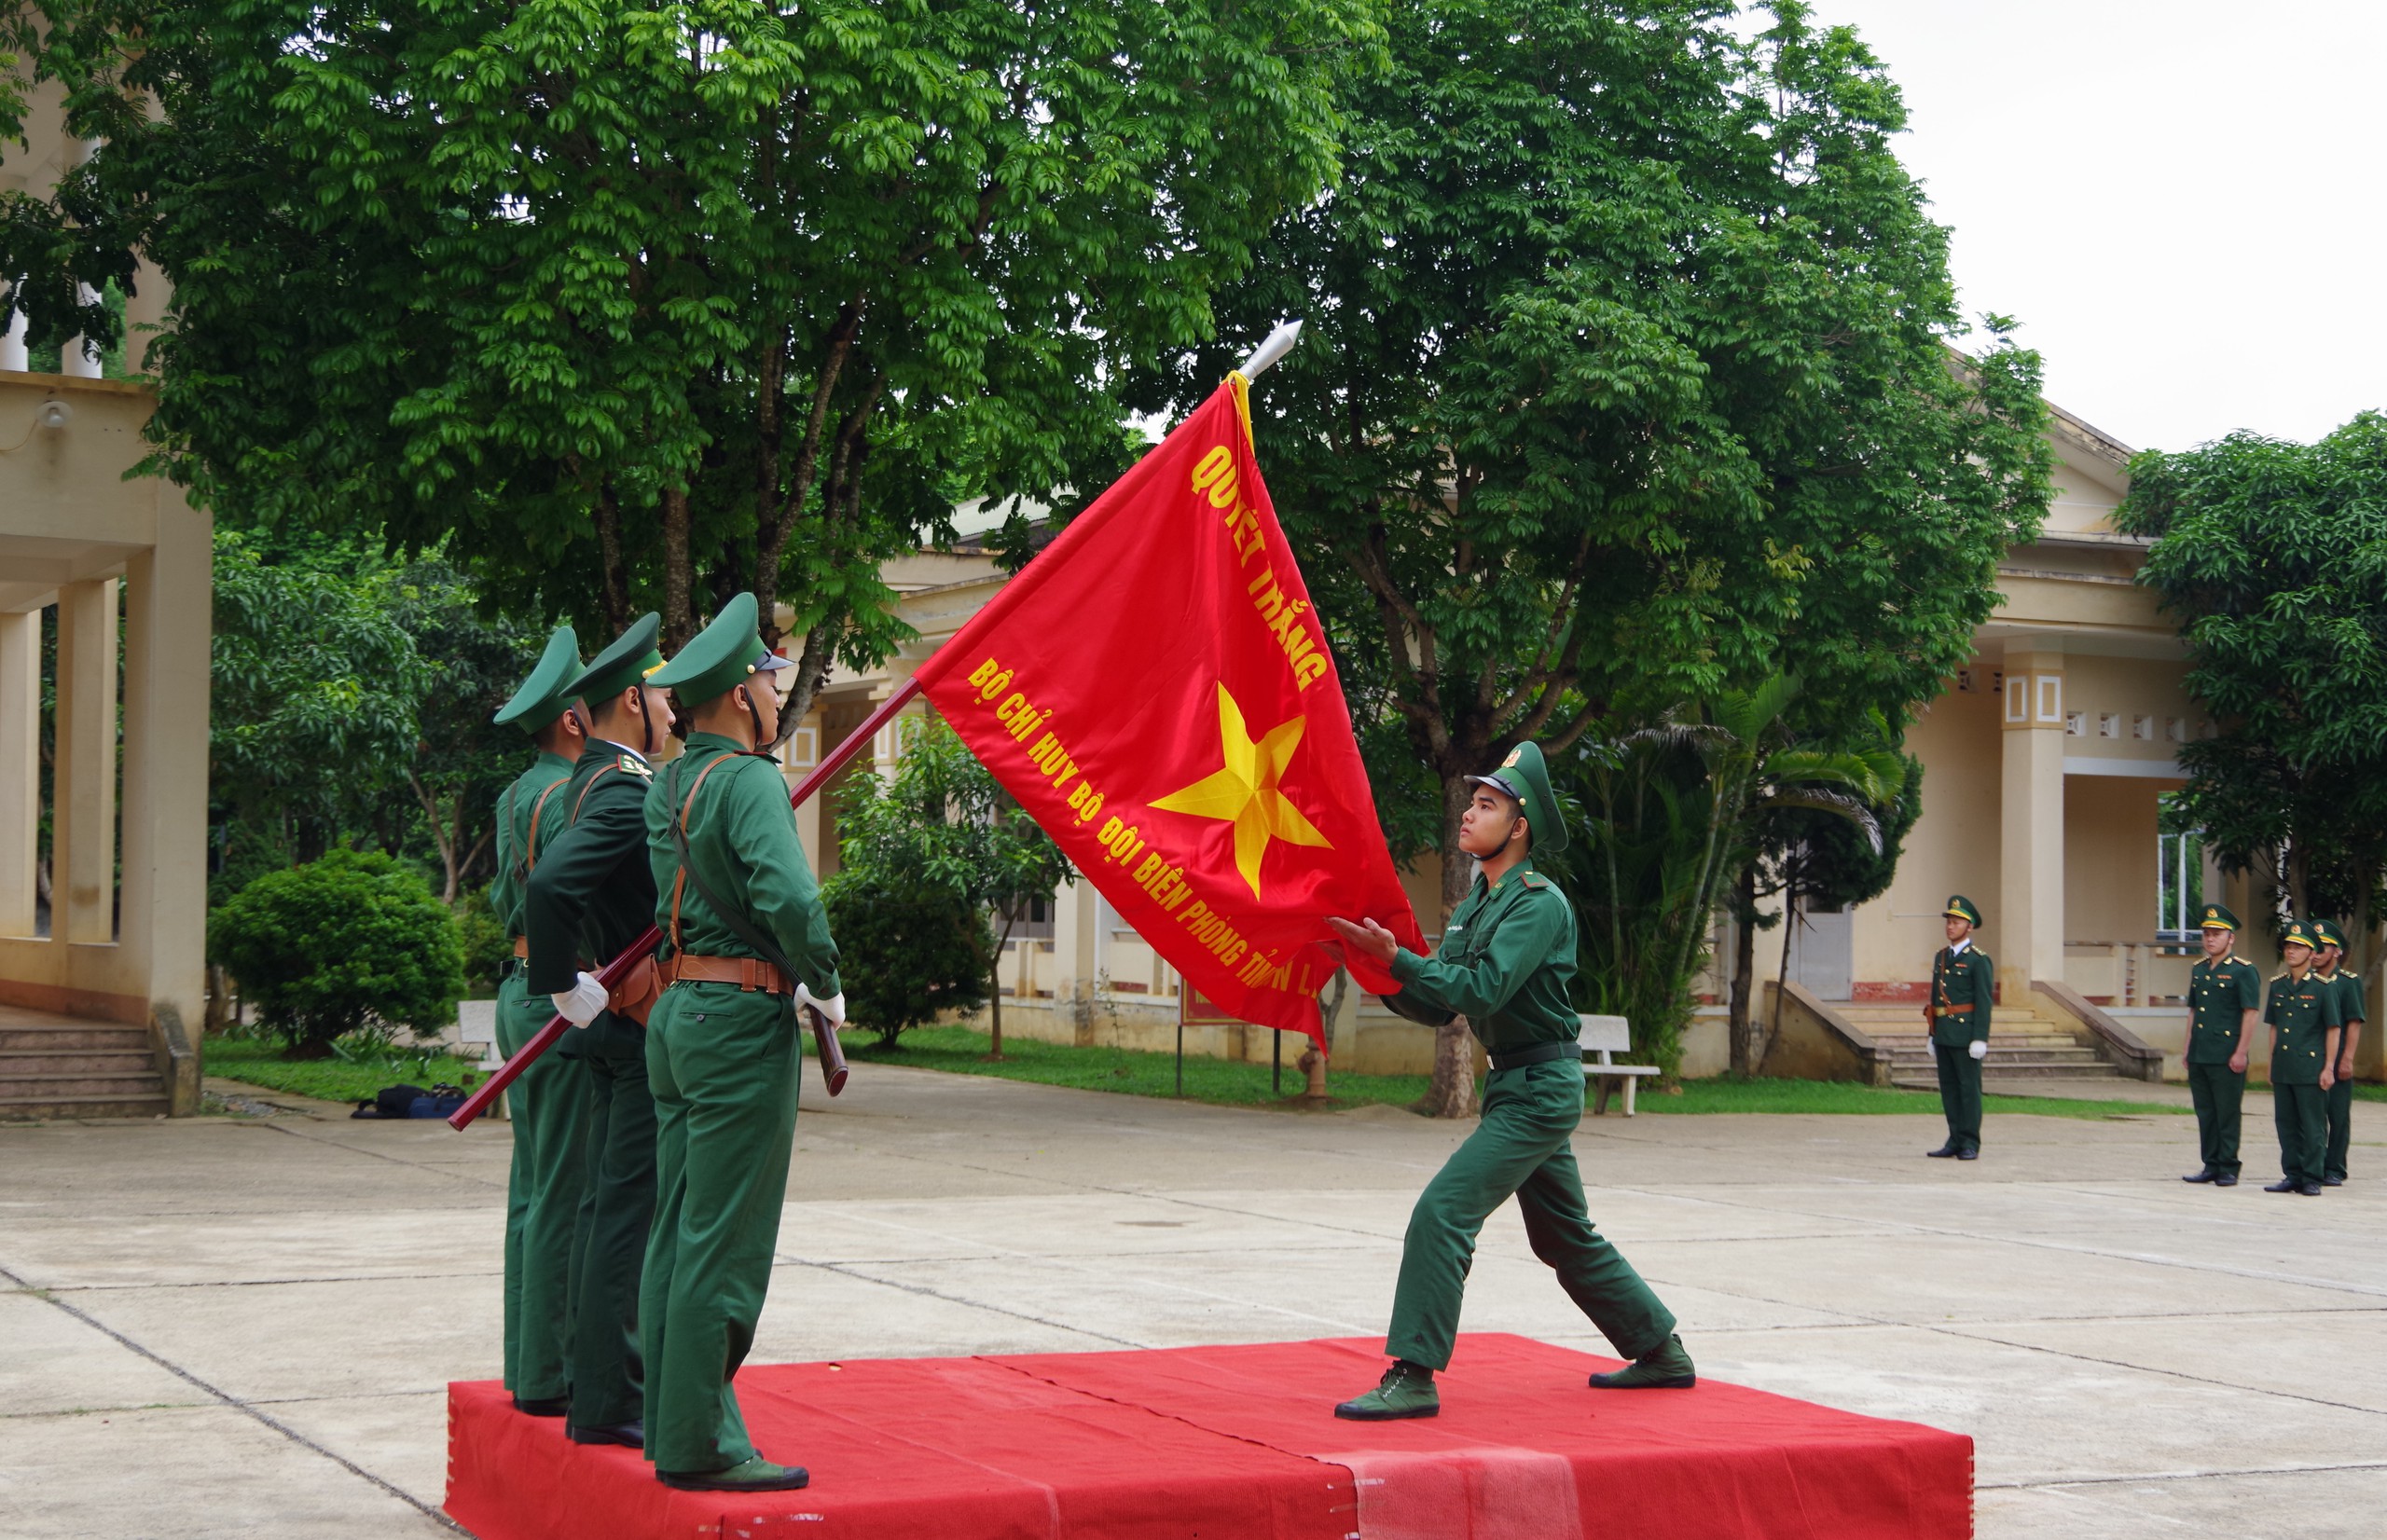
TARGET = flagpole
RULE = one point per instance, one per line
(1276, 345)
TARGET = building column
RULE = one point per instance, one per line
(802, 756)
(2025, 933)
(20, 768)
(167, 629)
(82, 873)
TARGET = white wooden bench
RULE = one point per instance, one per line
(1604, 1035)
(476, 1022)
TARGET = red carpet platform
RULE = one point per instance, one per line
(1226, 1443)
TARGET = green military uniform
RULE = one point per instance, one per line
(590, 897)
(2303, 1016)
(2220, 992)
(725, 1057)
(2352, 1012)
(546, 1101)
(1963, 985)
(1507, 961)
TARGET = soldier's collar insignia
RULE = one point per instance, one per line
(637, 766)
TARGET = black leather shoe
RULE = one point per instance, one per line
(2205, 1176)
(2333, 1181)
(544, 1406)
(2225, 1178)
(1969, 1154)
(628, 1435)
(2310, 1189)
(1942, 1153)
(2285, 1184)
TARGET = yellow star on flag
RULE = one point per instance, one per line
(1244, 792)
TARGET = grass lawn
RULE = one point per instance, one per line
(259, 1062)
(2366, 1090)
(960, 1050)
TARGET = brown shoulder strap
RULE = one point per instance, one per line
(679, 878)
(531, 846)
(583, 798)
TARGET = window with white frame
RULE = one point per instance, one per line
(2179, 884)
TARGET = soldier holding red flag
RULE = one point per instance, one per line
(1506, 960)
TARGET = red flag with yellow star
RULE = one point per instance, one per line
(1155, 691)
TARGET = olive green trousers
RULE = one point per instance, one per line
(2217, 1091)
(2301, 1115)
(547, 1107)
(1959, 1092)
(2340, 1130)
(725, 1065)
(1520, 1148)
(609, 1239)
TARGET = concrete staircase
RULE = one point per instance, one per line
(55, 1066)
(2026, 1042)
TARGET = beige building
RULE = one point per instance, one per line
(102, 943)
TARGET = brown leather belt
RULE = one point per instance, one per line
(748, 973)
(1954, 1010)
(522, 947)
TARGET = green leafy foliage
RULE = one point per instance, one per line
(353, 943)
(482, 945)
(941, 823)
(1629, 381)
(642, 305)
(2272, 556)
(909, 950)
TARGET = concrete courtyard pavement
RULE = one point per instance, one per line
(243, 1326)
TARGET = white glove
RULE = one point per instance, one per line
(833, 1007)
(1980, 1049)
(581, 1003)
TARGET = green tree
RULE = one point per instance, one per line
(1629, 381)
(2272, 556)
(647, 305)
(941, 823)
(353, 943)
(312, 714)
(911, 951)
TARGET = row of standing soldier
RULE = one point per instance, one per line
(2314, 1012)
(651, 1148)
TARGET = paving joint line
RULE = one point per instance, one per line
(245, 1408)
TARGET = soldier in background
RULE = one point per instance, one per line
(2225, 1000)
(545, 1103)
(2330, 966)
(1963, 981)
(2303, 1015)
(591, 896)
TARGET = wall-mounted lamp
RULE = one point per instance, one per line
(51, 415)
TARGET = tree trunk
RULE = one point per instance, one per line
(1451, 1092)
(614, 583)
(994, 996)
(679, 623)
(1743, 967)
(1781, 977)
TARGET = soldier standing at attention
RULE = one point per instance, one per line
(591, 896)
(1962, 982)
(1506, 960)
(2225, 1000)
(2303, 1015)
(749, 947)
(543, 1183)
(2329, 964)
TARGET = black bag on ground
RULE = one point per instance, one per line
(391, 1101)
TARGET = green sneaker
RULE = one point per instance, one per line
(755, 1475)
(1405, 1390)
(1666, 1367)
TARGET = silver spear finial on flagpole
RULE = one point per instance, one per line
(1279, 344)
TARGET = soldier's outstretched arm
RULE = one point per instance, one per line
(1525, 939)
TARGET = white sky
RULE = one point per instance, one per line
(2180, 200)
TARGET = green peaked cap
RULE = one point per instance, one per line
(544, 694)
(1524, 777)
(723, 657)
(625, 663)
(2325, 933)
(2219, 916)
(1962, 908)
(2299, 934)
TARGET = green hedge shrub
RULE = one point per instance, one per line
(905, 953)
(348, 943)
